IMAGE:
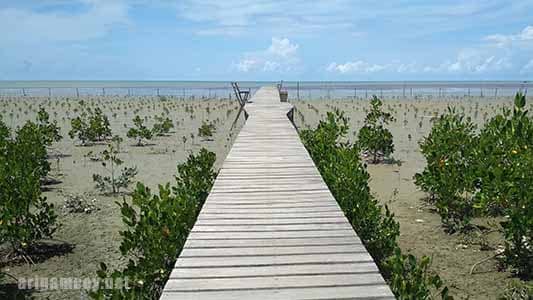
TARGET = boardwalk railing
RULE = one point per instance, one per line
(296, 90)
(270, 228)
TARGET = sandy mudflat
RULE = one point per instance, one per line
(95, 236)
(421, 231)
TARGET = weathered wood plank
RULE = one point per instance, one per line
(250, 251)
(269, 221)
(376, 292)
(294, 281)
(270, 228)
(328, 240)
(263, 271)
(271, 235)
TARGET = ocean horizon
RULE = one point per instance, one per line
(223, 89)
(221, 83)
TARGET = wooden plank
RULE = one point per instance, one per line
(270, 228)
(269, 211)
(310, 258)
(270, 235)
(236, 243)
(262, 205)
(264, 271)
(318, 220)
(249, 251)
(375, 292)
(290, 215)
(295, 281)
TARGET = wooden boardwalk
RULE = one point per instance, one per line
(270, 228)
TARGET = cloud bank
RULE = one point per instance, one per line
(281, 55)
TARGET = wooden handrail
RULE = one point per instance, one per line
(242, 96)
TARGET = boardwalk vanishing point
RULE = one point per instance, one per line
(270, 228)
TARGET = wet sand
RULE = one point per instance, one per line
(95, 237)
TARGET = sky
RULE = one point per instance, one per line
(337, 40)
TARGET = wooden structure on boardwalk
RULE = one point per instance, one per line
(270, 228)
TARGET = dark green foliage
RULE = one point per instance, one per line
(5, 135)
(162, 126)
(449, 152)
(373, 137)
(25, 216)
(410, 279)
(346, 176)
(195, 178)
(99, 125)
(489, 173)
(140, 131)
(157, 227)
(111, 162)
(206, 130)
(505, 171)
(80, 129)
(91, 127)
(31, 140)
(49, 130)
(503, 143)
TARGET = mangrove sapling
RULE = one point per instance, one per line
(117, 139)
(32, 139)
(5, 133)
(206, 130)
(25, 216)
(80, 129)
(346, 176)
(162, 126)
(344, 173)
(157, 227)
(410, 278)
(49, 130)
(448, 176)
(505, 168)
(90, 127)
(111, 162)
(504, 138)
(373, 137)
(140, 131)
(99, 125)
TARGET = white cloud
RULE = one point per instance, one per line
(282, 47)
(247, 64)
(357, 66)
(476, 61)
(24, 25)
(270, 16)
(502, 40)
(508, 55)
(278, 17)
(360, 66)
(407, 68)
(468, 61)
(281, 55)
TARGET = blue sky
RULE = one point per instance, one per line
(266, 40)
